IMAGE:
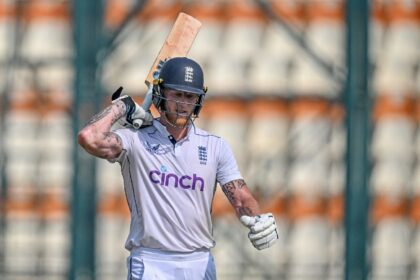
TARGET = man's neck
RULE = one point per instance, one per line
(177, 132)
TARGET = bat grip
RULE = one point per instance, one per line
(147, 102)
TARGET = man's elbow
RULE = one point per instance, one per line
(85, 139)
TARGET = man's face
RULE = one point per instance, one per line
(179, 106)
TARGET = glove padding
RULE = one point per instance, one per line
(263, 230)
(135, 116)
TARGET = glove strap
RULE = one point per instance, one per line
(130, 106)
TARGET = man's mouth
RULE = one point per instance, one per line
(182, 113)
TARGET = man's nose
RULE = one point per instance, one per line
(182, 103)
(183, 99)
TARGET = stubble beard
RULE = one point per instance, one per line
(176, 120)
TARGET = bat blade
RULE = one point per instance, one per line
(178, 42)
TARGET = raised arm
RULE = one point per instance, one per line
(241, 198)
(96, 137)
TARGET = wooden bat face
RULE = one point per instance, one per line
(178, 42)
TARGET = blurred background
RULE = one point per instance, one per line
(281, 75)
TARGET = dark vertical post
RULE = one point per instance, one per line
(358, 103)
(87, 22)
(12, 58)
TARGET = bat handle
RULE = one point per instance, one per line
(146, 106)
(147, 102)
(137, 123)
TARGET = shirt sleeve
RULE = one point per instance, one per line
(127, 142)
(227, 168)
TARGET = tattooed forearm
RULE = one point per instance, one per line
(230, 188)
(100, 115)
(96, 137)
(239, 183)
(117, 110)
(241, 198)
(245, 211)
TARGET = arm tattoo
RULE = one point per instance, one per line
(241, 200)
(99, 116)
(245, 211)
(110, 137)
(120, 111)
(230, 188)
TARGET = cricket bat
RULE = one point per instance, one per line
(177, 43)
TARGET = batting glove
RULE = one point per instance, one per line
(135, 116)
(262, 230)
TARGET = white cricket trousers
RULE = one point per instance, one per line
(153, 264)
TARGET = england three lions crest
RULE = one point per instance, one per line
(202, 155)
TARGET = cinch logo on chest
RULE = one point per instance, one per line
(169, 179)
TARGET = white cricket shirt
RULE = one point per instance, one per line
(170, 187)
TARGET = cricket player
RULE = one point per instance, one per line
(170, 170)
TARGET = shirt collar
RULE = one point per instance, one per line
(162, 129)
